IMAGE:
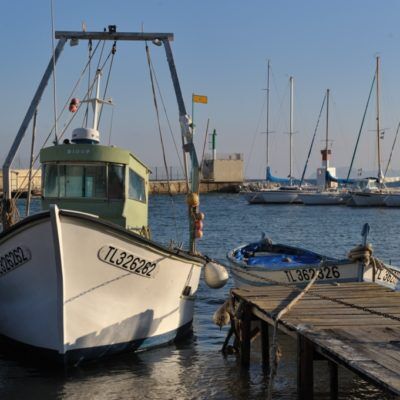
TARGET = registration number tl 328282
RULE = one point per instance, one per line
(127, 261)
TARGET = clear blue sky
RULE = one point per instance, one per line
(220, 49)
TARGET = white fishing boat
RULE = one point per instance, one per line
(266, 263)
(82, 279)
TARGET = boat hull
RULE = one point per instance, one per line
(254, 197)
(365, 199)
(392, 200)
(86, 288)
(279, 196)
(263, 263)
(316, 199)
(300, 276)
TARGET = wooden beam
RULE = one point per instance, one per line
(305, 370)
(245, 336)
(333, 380)
(264, 345)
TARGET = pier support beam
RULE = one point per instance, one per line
(305, 370)
(264, 345)
(333, 379)
(245, 336)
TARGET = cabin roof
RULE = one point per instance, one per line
(88, 152)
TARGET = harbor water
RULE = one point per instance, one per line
(195, 367)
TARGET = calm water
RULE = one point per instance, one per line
(195, 369)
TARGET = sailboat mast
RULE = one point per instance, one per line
(267, 130)
(327, 128)
(290, 129)
(377, 122)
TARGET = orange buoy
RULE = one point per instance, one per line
(199, 234)
(198, 224)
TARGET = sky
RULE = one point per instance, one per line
(221, 50)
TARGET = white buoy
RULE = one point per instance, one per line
(215, 275)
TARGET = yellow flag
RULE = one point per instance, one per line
(199, 99)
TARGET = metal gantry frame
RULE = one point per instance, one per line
(111, 35)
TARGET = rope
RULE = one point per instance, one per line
(359, 132)
(167, 119)
(160, 133)
(312, 143)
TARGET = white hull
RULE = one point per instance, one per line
(276, 196)
(254, 197)
(69, 295)
(322, 198)
(256, 276)
(368, 199)
(392, 200)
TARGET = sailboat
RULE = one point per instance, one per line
(374, 191)
(326, 195)
(83, 279)
(282, 194)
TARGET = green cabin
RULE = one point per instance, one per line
(103, 180)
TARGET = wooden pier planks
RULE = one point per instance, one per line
(359, 339)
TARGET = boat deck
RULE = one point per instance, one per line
(355, 325)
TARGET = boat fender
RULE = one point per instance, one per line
(215, 275)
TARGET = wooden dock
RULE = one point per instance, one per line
(355, 325)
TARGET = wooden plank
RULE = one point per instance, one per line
(358, 359)
(365, 342)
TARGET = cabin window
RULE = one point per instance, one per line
(50, 187)
(137, 187)
(75, 180)
(82, 181)
(116, 181)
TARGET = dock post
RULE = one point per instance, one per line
(245, 336)
(333, 378)
(264, 345)
(305, 371)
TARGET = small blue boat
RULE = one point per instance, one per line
(266, 263)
